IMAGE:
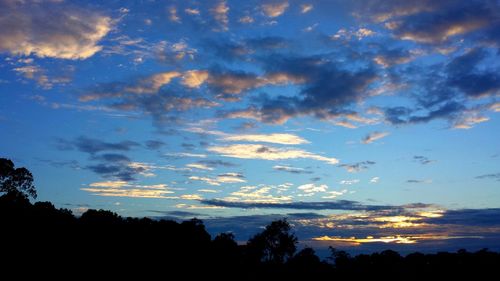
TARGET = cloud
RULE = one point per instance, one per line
(217, 163)
(199, 166)
(53, 30)
(125, 189)
(260, 194)
(40, 76)
(327, 205)
(349, 182)
(273, 10)
(326, 91)
(154, 144)
(246, 19)
(357, 167)
(347, 35)
(445, 21)
(154, 95)
(271, 138)
(92, 146)
(292, 170)
(185, 155)
(192, 11)
(312, 188)
(422, 159)
(306, 8)
(221, 179)
(391, 57)
(152, 83)
(374, 180)
(492, 176)
(334, 194)
(419, 181)
(255, 151)
(371, 137)
(220, 13)
(194, 78)
(397, 239)
(172, 15)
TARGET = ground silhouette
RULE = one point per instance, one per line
(39, 239)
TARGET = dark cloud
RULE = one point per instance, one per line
(154, 95)
(268, 43)
(450, 111)
(327, 205)
(470, 217)
(432, 22)
(422, 159)
(217, 163)
(417, 181)
(92, 146)
(117, 170)
(357, 167)
(390, 57)
(188, 146)
(154, 144)
(292, 170)
(111, 157)
(490, 176)
(326, 90)
(465, 75)
(177, 214)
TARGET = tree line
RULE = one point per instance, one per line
(38, 238)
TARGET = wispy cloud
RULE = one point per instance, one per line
(125, 189)
(221, 179)
(274, 9)
(254, 151)
(327, 205)
(271, 138)
(292, 170)
(371, 137)
(357, 167)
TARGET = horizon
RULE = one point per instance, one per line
(370, 125)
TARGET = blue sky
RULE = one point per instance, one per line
(364, 122)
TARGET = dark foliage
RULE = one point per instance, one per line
(42, 241)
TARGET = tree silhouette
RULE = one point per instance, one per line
(18, 181)
(275, 244)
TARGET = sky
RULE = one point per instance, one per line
(368, 124)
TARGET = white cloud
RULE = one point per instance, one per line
(208, 190)
(255, 151)
(186, 154)
(312, 188)
(306, 8)
(275, 9)
(52, 30)
(246, 19)
(334, 194)
(199, 166)
(349, 182)
(220, 179)
(270, 138)
(125, 189)
(191, 197)
(258, 194)
(192, 11)
(375, 180)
